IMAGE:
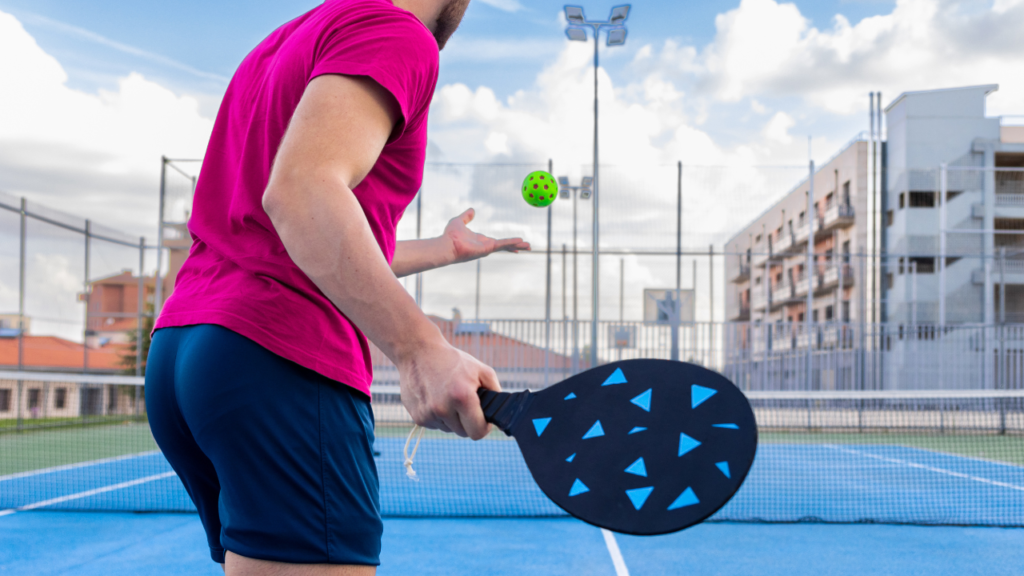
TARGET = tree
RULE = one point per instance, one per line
(128, 359)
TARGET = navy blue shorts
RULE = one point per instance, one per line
(277, 458)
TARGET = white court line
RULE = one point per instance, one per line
(87, 493)
(76, 465)
(616, 554)
(929, 468)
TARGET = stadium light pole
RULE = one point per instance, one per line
(577, 31)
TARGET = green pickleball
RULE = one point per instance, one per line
(539, 189)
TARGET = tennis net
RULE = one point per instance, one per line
(952, 457)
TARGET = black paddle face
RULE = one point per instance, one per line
(640, 446)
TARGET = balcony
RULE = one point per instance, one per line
(740, 314)
(830, 279)
(759, 255)
(801, 284)
(837, 216)
(742, 273)
(784, 244)
(757, 299)
(1014, 273)
(783, 293)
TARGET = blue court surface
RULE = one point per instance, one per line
(44, 543)
(788, 483)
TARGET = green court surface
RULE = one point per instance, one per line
(48, 447)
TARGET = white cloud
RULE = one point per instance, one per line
(778, 127)
(92, 154)
(767, 48)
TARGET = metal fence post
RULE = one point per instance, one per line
(85, 298)
(140, 318)
(547, 295)
(23, 225)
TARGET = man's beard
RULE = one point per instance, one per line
(448, 20)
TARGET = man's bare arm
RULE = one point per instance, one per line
(336, 134)
(457, 244)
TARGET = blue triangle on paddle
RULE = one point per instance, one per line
(540, 424)
(570, 396)
(638, 468)
(687, 498)
(686, 443)
(578, 488)
(724, 467)
(617, 377)
(569, 459)
(729, 426)
(643, 400)
(639, 495)
(594, 431)
(698, 394)
(637, 429)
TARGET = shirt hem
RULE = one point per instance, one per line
(245, 328)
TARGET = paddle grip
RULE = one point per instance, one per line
(503, 408)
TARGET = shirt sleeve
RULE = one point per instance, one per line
(388, 45)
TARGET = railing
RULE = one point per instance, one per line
(831, 276)
(838, 214)
(784, 243)
(742, 273)
(783, 293)
(1007, 199)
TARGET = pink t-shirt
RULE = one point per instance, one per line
(238, 274)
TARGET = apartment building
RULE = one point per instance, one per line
(767, 267)
(953, 202)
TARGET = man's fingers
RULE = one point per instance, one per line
(472, 420)
(467, 216)
(511, 244)
(489, 379)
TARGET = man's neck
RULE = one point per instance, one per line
(425, 11)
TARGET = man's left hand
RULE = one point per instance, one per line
(468, 245)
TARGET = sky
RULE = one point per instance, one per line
(95, 92)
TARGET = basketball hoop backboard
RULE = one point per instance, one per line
(661, 305)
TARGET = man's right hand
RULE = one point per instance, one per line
(439, 389)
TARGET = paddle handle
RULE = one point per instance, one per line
(503, 408)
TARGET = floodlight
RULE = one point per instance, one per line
(588, 181)
(563, 181)
(576, 33)
(564, 193)
(584, 193)
(574, 14)
(616, 36)
(619, 14)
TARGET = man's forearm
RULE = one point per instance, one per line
(415, 256)
(326, 234)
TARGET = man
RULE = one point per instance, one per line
(259, 371)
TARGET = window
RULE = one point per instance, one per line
(889, 281)
(757, 239)
(778, 278)
(33, 397)
(924, 265)
(828, 313)
(846, 311)
(757, 281)
(922, 200)
(829, 199)
(5, 400)
(902, 200)
(814, 315)
(60, 398)
(889, 218)
(846, 252)
(846, 192)
(800, 317)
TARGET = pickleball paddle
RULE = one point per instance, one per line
(638, 446)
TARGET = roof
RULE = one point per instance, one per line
(496, 350)
(53, 353)
(988, 88)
